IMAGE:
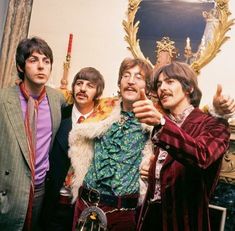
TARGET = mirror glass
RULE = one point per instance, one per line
(195, 28)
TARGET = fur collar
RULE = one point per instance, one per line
(81, 145)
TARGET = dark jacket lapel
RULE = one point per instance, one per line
(65, 127)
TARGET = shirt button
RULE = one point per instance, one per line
(28, 174)
(4, 193)
(167, 147)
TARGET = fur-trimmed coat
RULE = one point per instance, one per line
(82, 147)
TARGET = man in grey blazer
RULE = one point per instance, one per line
(30, 115)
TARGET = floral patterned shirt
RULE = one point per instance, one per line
(115, 166)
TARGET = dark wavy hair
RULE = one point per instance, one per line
(185, 75)
(25, 49)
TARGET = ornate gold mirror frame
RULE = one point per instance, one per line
(224, 23)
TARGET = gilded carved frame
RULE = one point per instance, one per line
(131, 28)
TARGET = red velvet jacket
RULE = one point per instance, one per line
(191, 169)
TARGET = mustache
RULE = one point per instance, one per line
(128, 88)
(81, 94)
(163, 94)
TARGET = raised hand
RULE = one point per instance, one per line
(223, 104)
(145, 110)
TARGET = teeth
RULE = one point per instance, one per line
(130, 89)
(164, 96)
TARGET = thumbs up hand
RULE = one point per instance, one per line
(143, 95)
(145, 110)
(223, 104)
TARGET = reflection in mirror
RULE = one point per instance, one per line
(197, 28)
(166, 52)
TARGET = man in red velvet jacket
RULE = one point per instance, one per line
(189, 146)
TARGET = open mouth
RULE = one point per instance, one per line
(130, 89)
(164, 97)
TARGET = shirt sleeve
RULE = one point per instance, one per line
(195, 144)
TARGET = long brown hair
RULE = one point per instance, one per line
(185, 75)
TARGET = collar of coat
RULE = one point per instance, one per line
(81, 146)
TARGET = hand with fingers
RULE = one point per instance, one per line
(145, 110)
(145, 168)
(223, 104)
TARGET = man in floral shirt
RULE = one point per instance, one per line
(106, 155)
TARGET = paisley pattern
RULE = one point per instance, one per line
(115, 167)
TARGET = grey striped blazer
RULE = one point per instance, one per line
(14, 158)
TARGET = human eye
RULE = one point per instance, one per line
(125, 75)
(170, 81)
(90, 85)
(78, 83)
(139, 77)
(47, 61)
(159, 84)
(32, 59)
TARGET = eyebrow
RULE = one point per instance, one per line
(128, 72)
(35, 56)
(88, 81)
(165, 78)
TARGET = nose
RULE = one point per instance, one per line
(161, 89)
(40, 64)
(131, 79)
(163, 86)
(83, 87)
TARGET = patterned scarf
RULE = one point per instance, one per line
(30, 128)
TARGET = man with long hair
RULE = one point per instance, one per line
(189, 147)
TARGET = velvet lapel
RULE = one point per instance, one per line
(194, 118)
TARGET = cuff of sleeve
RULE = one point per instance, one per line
(158, 128)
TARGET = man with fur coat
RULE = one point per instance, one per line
(106, 155)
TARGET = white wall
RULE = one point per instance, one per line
(99, 42)
(98, 35)
(222, 68)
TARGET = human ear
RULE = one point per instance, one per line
(19, 69)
